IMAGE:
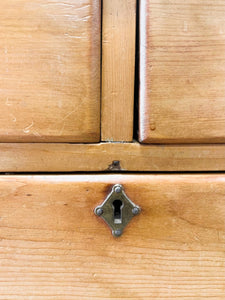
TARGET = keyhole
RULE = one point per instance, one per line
(117, 207)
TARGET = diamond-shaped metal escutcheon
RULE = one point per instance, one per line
(117, 210)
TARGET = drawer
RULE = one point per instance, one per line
(53, 246)
(50, 71)
(182, 69)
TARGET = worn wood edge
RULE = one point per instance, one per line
(48, 157)
(118, 67)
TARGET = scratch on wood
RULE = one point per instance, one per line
(36, 133)
(27, 129)
(70, 113)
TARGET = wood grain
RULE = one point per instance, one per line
(110, 157)
(118, 59)
(50, 71)
(53, 246)
(182, 69)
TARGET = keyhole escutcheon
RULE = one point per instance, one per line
(117, 210)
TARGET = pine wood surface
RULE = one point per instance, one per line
(50, 71)
(118, 60)
(182, 69)
(46, 157)
(52, 245)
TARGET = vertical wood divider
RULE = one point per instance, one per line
(118, 66)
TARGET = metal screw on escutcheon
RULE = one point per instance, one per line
(117, 233)
(118, 189)
(136, 210)
(99, 211)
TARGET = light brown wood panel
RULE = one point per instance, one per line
(182, 71)
(53, 246)
(110, 157)
(118, 59)
(50, 71)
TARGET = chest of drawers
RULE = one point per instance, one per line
(97, 94)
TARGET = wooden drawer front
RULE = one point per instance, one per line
(49, 69)
(54, 247)
(182, 71)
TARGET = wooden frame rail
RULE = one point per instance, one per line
(45, 157)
